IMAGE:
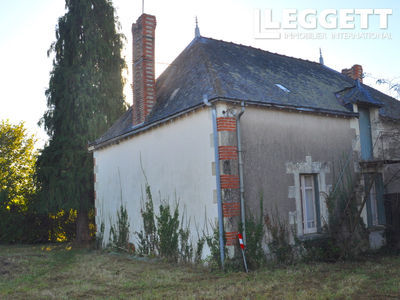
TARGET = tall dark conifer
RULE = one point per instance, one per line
(85, 96)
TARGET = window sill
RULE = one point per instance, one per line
(376, 228)
(312, 236)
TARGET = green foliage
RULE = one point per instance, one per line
(19, 221)
(186, 251)
(199, 249)
(279, 238)
(213, 244)
(119, 234)
(345, 226)
(100, 236)
(322, 248)
(254, 238)
(84, 98)
(22, 225)
(148, 239)
(17, 166)
(168, 232)
(165, 236)
(62, 226)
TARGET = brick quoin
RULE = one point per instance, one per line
(231, 238)
(231, 209)
(229, 181)
(226, 124)
(227, 152)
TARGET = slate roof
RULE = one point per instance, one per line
(230, 71)
(357, 94)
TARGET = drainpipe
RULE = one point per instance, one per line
(218, 179)
(239, 145)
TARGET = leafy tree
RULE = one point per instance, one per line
(84, 98)
(17, 165)
(18, 223)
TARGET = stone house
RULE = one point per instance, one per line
(227, 123)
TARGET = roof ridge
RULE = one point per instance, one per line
(317, 64)
(263, 50)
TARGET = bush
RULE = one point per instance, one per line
(168, 232)
(165, 236)
(185, 245)
(320, 248)
(213, 244)
(119, 235)
(345, 228)
(148, 239)
(255, 232)
(279, 239)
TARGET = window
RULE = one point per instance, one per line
(309, 179)
(309, 203)
(373, 205)
(365, 133)
(375, 202)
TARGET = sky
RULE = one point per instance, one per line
(27, 28)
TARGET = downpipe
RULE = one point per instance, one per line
(218, 181)
(241, 183)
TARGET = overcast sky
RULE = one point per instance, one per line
(27, 29)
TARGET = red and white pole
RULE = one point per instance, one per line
(242, 248)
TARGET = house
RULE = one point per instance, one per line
(225, 123)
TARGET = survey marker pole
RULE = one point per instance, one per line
(242, 248)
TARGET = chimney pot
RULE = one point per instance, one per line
(355, 72)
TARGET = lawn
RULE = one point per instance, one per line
(59, 272)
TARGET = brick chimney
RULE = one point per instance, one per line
(355, 72)
(144, 92)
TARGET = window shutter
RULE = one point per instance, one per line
(317, 206)
(379, 199)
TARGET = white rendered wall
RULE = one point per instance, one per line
(177, 158)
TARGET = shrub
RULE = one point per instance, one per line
(345, 228)
(255, 232)
(100, 236)
(148, 240)
(119, 235)
(185, 244)
(213, 244)
(168, 232)
(279, 238)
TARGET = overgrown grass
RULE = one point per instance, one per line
(54, 272)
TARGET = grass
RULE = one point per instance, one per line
(59, 272)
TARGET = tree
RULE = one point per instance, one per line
(85, 96)
(17, 187)
(17, 165)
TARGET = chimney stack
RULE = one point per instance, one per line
(355, 72)
(144, 91)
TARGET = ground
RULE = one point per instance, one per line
(57, 271)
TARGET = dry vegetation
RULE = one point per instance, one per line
(46, 272)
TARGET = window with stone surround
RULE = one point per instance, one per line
(309, 203)
(309, 178)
